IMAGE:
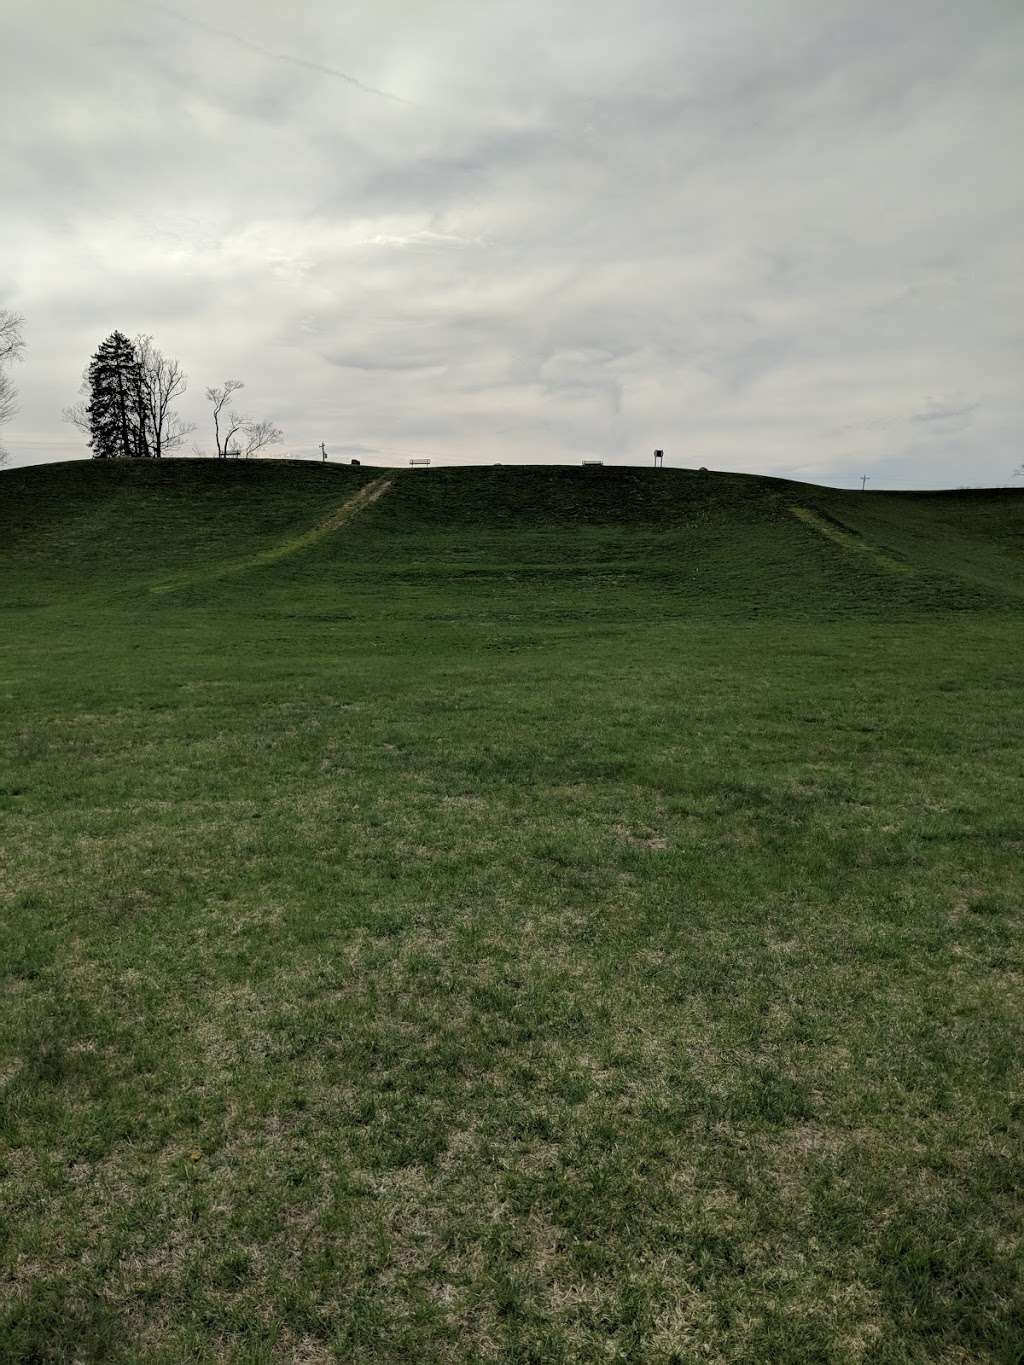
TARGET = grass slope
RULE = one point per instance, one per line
(557, 914)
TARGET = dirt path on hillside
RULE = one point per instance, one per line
(849, 540)
(366, 496)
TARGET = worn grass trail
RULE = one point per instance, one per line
(359, 501)
(842, 535)
(559, 918)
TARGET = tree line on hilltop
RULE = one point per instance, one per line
(128, 413)
(131, 388)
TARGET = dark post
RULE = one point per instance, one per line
(323, 450)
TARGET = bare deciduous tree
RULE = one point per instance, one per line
(8, 403)
(78, 415)
(226, 422)
(259, 435)
(12, 346)
(12, 343)
(163, 380)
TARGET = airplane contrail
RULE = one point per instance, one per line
(276, 56)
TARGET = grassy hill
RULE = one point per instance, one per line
(693, 541)
(523, 914)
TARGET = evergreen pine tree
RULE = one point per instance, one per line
(117, 412)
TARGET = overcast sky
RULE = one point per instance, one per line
(772, 235)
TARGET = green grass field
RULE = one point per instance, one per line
(533, 914)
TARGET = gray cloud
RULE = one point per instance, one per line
(946, 412)
(772, 235)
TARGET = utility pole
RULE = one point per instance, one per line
(323, 450)
(863, 480)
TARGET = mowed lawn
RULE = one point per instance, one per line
(549, 916)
